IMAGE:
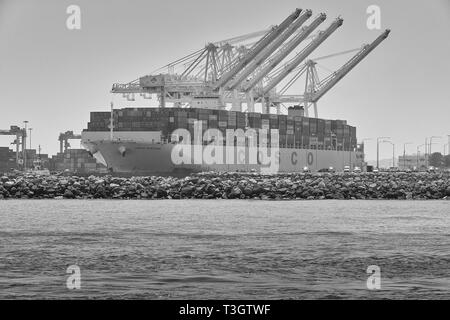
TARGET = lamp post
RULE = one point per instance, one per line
(378, 150)
(429, 148)
(393, 151)
(418, 147)
(431, 142)
(24, 146)
(29, 129)
(448, 144)
(404, 154)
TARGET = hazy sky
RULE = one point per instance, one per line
(53, 77)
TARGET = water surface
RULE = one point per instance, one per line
(224, 249)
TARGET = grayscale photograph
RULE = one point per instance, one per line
(229, 158)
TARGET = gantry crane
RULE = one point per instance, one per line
(20, 138)
(302, 55)
(64, 138)
(316, 88)
(241, 71)
(269, 49)
(284, 52)
(258, 47)
(325, 85)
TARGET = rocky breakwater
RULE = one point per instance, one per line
(231, 186)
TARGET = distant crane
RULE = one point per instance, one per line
(20, 138)
(64, 138)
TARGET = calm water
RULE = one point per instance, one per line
(209, 249)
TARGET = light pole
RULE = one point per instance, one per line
(24, 146)
(378, 150)
(429, 148)
(29, 129)
(418, 147)
(404, 154)
(393, 151)
(431, 142)
(448, 144)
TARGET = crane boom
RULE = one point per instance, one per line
(267, 51)
(346, 68)
(303, 54)
(268, 38)
(283, 53)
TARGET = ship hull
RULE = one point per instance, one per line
(143, 158)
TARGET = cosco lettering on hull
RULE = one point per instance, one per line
(295, 159)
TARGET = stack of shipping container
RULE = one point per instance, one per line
(294, 131)
(75, 160)
(7, 159)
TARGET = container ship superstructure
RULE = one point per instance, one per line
(201, 105)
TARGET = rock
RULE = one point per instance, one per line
(187, 190)
(248, 191)
(211, 185)
(68, 194)
(9, 184)
(161, 193)
(235, 192)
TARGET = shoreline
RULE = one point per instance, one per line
(248, 186)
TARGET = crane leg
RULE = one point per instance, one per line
(17, 150)
(250, 102)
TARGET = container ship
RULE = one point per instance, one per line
(143, 140)
(206, 119)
